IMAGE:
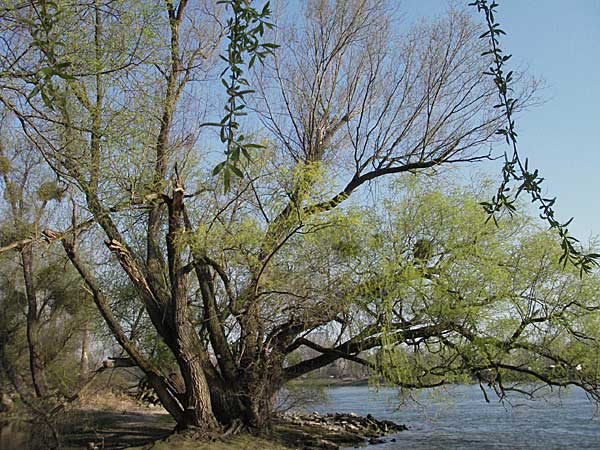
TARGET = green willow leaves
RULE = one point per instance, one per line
(245, 29)
(516, 169)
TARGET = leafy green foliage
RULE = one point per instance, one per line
(418, 281)
(64, 304)
(10, 191)
(245, 29)
(498, 291)
(4, 165)
(50, 190)
(46, 38)
(15, 231)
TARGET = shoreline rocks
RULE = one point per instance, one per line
(333, 431)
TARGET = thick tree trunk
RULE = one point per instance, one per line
(226, 403)
(191, 356)
(259, 407)
(251, 398)
(196, 400)
(250, 405)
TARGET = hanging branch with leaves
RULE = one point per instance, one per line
(245, 29)
(514, 168)
(45, 38)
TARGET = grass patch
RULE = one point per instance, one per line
(238, 442)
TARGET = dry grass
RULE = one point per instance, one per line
(110, 401)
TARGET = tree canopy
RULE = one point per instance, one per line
(122, 102)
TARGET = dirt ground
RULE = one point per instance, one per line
(115, 430)
(108, 421)
(111, 421)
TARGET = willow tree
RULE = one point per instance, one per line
(457, 299)
(114, 94)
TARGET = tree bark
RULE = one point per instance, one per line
(84, 362)
(158, 382)
(197, 403)
(36, 363)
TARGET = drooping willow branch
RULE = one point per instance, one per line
(515, 169)
(245, 30)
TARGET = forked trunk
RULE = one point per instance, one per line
(230, 406)
(249, 402)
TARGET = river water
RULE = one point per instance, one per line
(459, 418)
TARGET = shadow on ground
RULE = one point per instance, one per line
(113, 430)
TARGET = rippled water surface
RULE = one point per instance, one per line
(459, 418)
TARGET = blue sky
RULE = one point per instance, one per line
(559, 42)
